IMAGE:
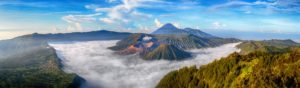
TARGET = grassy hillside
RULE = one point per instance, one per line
(257, 69)
(167, 51)
(30, 63)
(266, 45)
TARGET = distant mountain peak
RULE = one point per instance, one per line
(169, 26)
(168, 29)
(198, 33)
(189, 29)
(171, 29)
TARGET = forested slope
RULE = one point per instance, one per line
(258, 69)
(31, 63)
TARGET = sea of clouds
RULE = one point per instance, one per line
(101, 68)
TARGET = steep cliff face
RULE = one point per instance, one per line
(32, 63)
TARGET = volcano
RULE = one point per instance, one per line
(169, 29)
(168, 42)
(169, 52)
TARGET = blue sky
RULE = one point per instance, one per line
(52, 16)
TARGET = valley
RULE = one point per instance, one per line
(101, 67)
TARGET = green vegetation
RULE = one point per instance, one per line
(31, 63)
(266, 45)
(258, 69)
(167, 51)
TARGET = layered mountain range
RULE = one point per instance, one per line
(168, 42)
(79, 36)
(171, 29)
(273, 45)
(29, 62)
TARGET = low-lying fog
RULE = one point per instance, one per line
(101, 68)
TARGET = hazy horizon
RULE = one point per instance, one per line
(244, 35)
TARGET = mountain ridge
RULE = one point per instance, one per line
(256, 69)
(176, 39)
(79, 36)
(170, 29)
(168, 51)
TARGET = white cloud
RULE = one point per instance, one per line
(267, 6)
(158, 23)
(55, 29)
(91, 6)
(218, 25)
(106, 20)
(102, 9)
(81, 18)
(147, 38)
(248, 12)
(229, 4)
(74, 27)
(197, 27)
(124, 12)
(125, 15)
(101, 67)
(172, 6)
(280, 22)
(110, 1)
(178, 25)
(144, 29)
(75, 21)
